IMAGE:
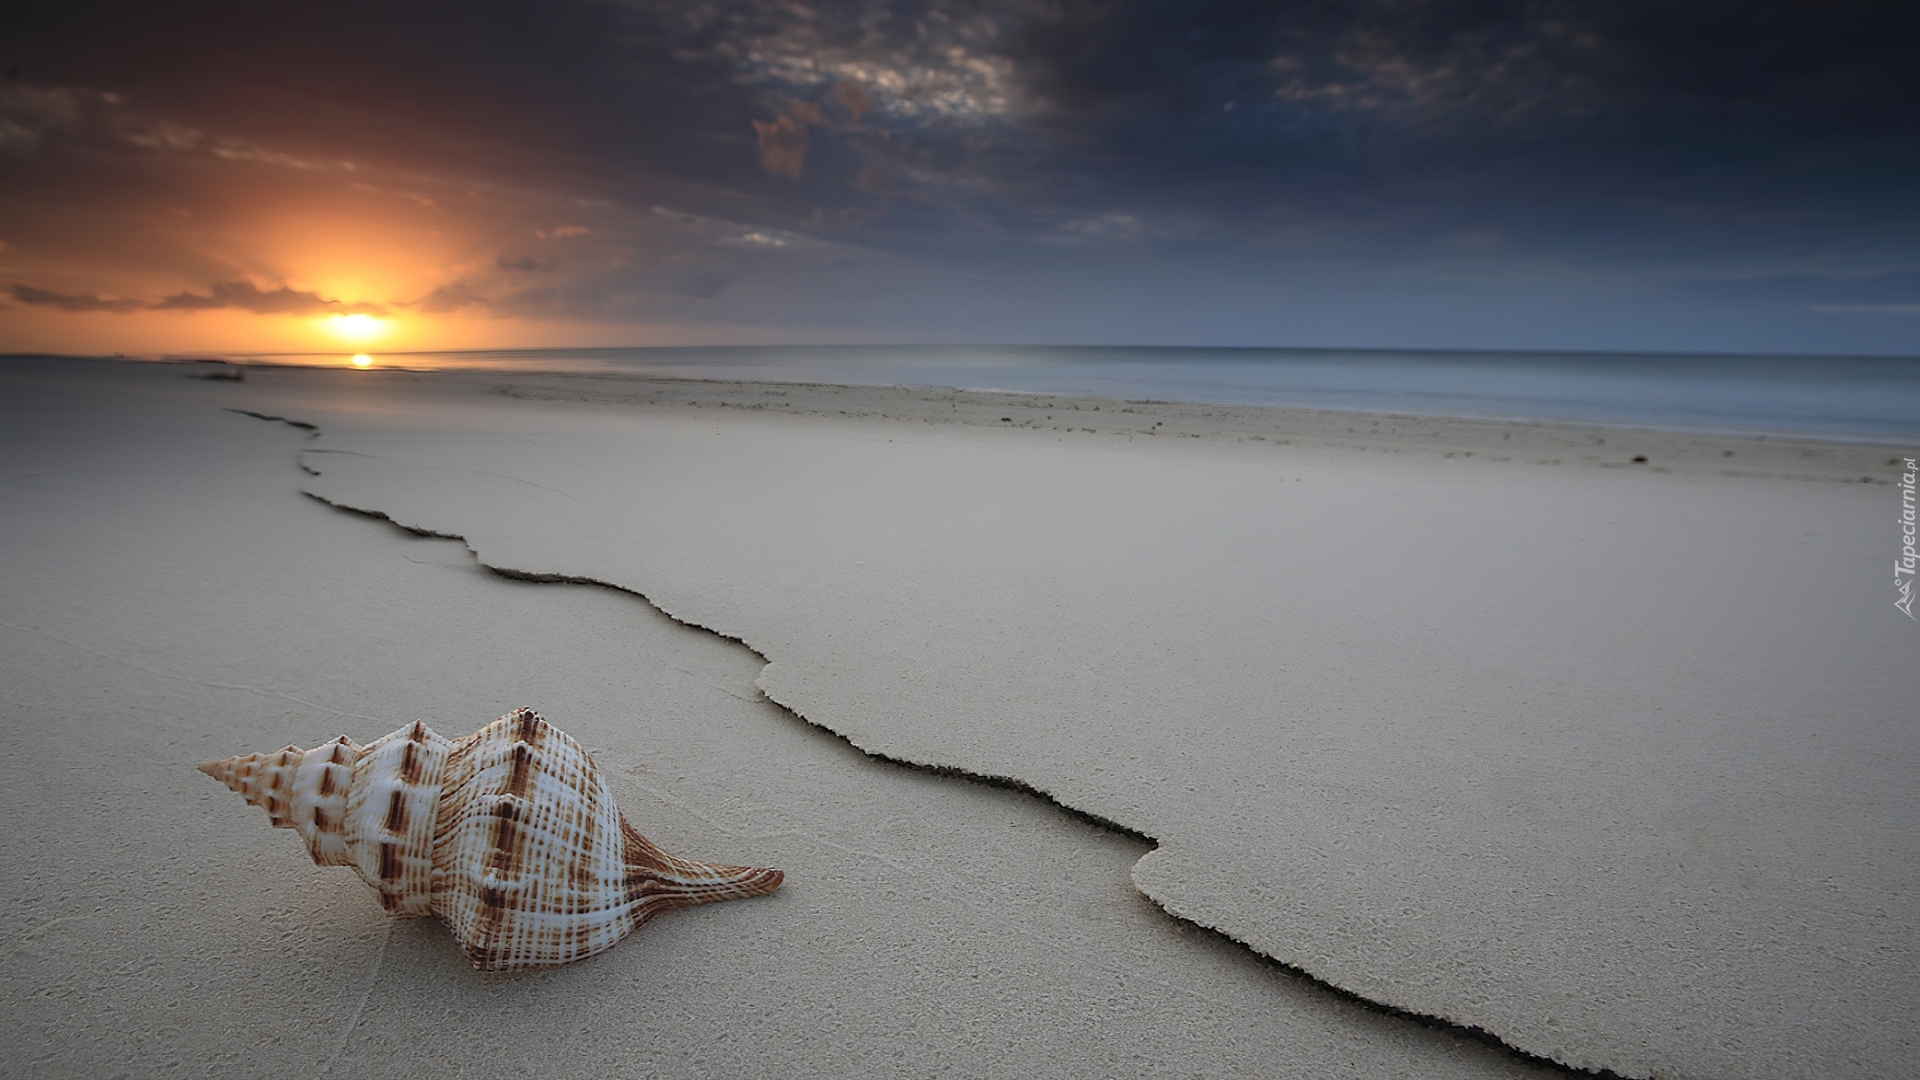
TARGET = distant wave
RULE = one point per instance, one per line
(1853, 397)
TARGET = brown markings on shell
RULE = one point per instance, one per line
(522, 767)
(531, 862)
(664, 882)
(506, 854)
(530, 725)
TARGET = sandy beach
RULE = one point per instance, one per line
(1096, 737)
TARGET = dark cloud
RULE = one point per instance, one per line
(452, 296)
(29, 115)
(240, 295)
(1719, 154)
(532, 303)
(245, 296)
(702, 282)
(1027, 102)
(27, 294)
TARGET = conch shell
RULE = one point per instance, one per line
(509, 835)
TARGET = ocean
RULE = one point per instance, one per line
(1854, 398)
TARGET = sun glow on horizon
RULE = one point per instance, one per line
(356, 327)
(360, 360)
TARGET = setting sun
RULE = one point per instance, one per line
(356, 327)
(361, 360)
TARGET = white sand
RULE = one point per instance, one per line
(1614, 764)
(170, 597)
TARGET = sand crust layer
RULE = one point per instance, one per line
(1606, 761)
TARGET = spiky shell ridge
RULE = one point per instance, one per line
(530, 848)
(509, 836)
(319, 800)
(393, 813)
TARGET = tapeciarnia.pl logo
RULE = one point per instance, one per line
(1905, 563)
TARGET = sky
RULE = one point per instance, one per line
(1661, 175)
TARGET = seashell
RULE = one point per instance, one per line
(509, 836)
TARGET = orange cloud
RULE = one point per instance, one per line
(851, 98)
(783, 140)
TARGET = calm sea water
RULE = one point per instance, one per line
(1874, 398)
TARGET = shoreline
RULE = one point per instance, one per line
(1545, 442)
(1249, 418)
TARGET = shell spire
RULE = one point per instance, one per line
(509, 836)
(264, 780)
